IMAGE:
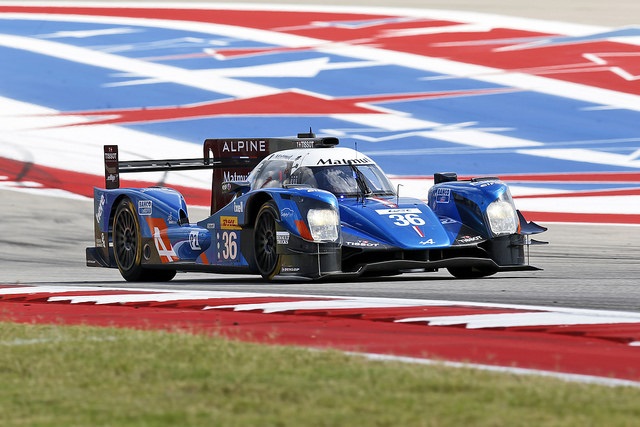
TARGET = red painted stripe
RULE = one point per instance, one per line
(215, 303)
(391, 314)
(618, 332)
(584, 177)
(568, 177)
(594, 218)
(598, 193)
(44, 296)
(82, 183)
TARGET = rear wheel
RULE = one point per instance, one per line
(265, 241)
(471, 272)
(127, 247)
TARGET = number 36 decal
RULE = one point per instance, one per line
(229, 249)
(403, 220)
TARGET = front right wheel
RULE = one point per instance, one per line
(471, 272)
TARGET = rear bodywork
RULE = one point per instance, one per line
(468, 227)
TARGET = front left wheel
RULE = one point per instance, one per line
(265, 241)
(127, 247)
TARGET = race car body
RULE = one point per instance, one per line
(304, 208)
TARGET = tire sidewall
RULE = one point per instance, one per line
(268, 208)
(135, 272)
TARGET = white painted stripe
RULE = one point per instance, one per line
(165, 296)
(584, 155)
(211, 81)
(578, 378)
(39, 190)
(82, 145)
(510, 320)
(398, 122)
(28, 290)
(614, 205)
(275, 307)
(542, 314)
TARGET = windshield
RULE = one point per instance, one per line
(274, 173)
(341, 180)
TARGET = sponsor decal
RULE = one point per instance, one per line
(468, 239)
(171, 219)
(101, 242)
(103, 201)
(304, 144)
(280, 156)
(483, 184)
(443, 195)
(111, 166)
(398, 211)
(194, 241)
(238, 207)
(229, 223)
(289, 269)
(229, 176)
(145, 207)
(362, 243)
(427, 242)
(286, 213)
(282, 237)
(448, 221)
(245, 146)
(362, 160)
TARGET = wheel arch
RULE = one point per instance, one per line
(253, 207)
(112, 212)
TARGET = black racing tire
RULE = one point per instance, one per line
(157, 275)
(471, 272)
(265, 241)
(127, 247)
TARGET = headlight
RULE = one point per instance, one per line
(323, 224)
(502, 215)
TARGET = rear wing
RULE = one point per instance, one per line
(231, 160)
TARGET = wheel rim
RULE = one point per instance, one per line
(266, 256)
(126, 240)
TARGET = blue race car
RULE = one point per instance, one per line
(303, 207)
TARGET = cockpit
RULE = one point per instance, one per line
(343, 180)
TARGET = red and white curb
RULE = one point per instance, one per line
(576, 344)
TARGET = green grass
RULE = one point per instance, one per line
(86, 376)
